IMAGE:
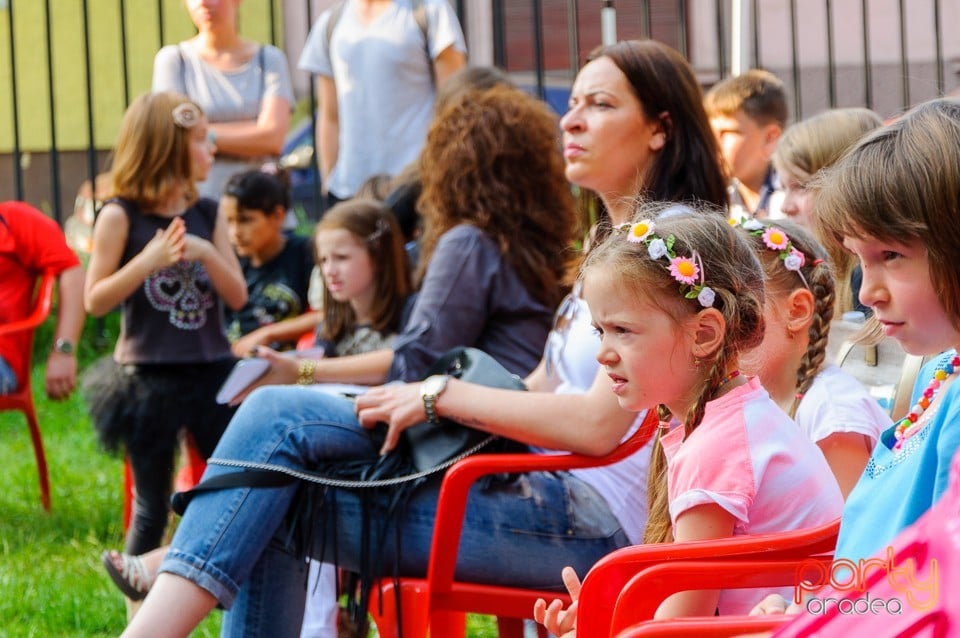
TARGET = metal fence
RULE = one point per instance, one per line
(70, 67)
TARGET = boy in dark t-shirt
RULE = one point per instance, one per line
(276, 266)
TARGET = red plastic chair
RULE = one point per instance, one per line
(606, 580)
(22, 398)
(706, 627)
(439, 602)
(191, 471)
(640, 598)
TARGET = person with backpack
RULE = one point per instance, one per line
(242, 86)
(378, 64)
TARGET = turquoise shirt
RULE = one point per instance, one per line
(896, 488)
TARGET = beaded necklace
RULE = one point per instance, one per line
(730, 377)
(911, 424)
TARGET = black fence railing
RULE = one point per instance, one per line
(70, 67)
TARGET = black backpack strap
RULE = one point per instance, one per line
(183, 69)
(246, 478)
(335, 13)
(263, 79)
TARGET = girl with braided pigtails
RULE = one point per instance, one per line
(829, 405)
(676, 301)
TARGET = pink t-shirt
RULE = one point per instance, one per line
(751, 459)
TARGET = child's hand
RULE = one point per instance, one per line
(196, 248)
(167, 246)
(774, 604)
(558, 621)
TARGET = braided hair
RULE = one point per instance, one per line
(816, 275)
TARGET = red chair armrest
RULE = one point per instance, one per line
(607, 578)
(642, 595)
(461, 477)
(41, 307)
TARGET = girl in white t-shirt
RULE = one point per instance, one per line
(829, 405)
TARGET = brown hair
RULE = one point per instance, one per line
(152, 156)
(817, 277)
(373, 225)
(813, 144)
(688, 168)
(902, 183)
(731, 269)
(758, 93)
(492, 160)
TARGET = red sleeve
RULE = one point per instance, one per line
(33, 239)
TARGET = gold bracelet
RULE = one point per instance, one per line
(305, 371)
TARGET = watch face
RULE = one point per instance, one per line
(434, 385)
(63, 346)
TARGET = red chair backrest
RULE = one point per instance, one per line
(43, 300)
(607, 578)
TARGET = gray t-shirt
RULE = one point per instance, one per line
(384, 89)
(224, 96)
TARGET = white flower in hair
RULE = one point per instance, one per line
(706, 297)
(656, 248)
(794, 261)
(752, 224)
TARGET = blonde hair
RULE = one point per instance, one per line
(902, 183)
(374, 226)
(816, 275)
(728, 266)
(152, 157)
(815, 143)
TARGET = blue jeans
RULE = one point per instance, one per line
(231, 542)
(8, 380)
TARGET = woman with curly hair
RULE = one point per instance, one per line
(498, 222)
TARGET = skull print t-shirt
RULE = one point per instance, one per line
(175, 316)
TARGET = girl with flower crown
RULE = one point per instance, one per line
(676, 301)
(893, 201)
(162, 254)
(829, 405)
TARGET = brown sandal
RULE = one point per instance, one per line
(132, 578)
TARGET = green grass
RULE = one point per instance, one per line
(51, 580)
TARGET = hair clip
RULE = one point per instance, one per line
(778, 241)
(186, 115)
(382, 229)
(688, 271)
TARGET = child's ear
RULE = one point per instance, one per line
(708, 332)
(801, 306)
(771, 135)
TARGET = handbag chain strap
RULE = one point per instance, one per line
(348, 483)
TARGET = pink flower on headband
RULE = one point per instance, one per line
(684, 270)
(776, 239)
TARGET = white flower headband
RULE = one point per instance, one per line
(776, 240)
(186, 115)
(686, 270)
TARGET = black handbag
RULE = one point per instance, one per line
(431, 445)
(425, 449)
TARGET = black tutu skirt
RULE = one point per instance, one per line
(138, 407)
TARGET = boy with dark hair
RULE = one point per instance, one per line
(748, 114)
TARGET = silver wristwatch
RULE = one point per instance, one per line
(430, 390)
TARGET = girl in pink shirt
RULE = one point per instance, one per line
(675, 301)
